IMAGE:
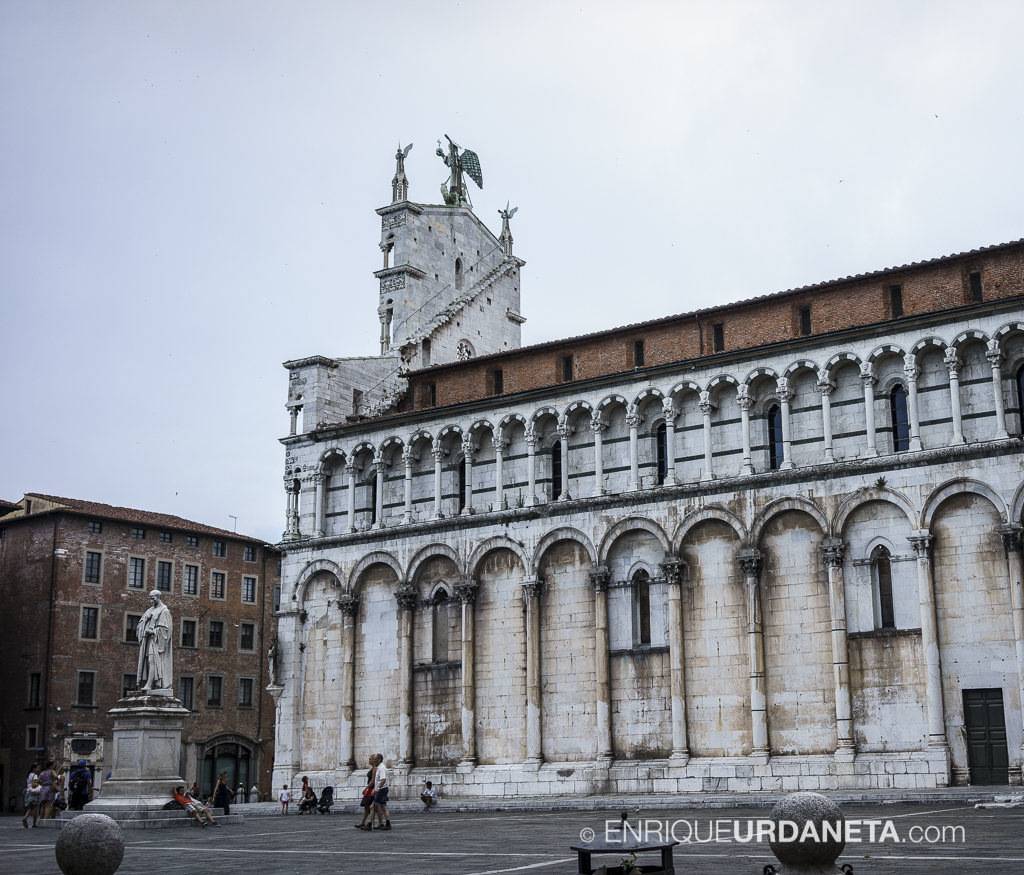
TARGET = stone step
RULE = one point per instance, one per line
(146, 818)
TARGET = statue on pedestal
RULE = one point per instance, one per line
(154, 634)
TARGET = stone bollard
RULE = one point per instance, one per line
(823, 842)
(90, 844)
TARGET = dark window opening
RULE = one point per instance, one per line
(458, 274)
(900, 419)
(439, 644)
(214, 685)
(719, 337)
(131, 625)
(166, 537)
(129, 682)
(95, 528)
(805, 320)
(357, 400)
(1020, 397)
(35, 681)
(431, 394)
(90, 622)
(186, 690)
(642, 595)
(556, 470)
(93, 564)
(216, 633)
(219, 549)
(86, 687)
(191, 541)
(566, 368)
(250, 554)
(245, 692)
(139, 534)
(775, 448)
(896, 301)
(976, 296)
(661, 440)
(638, 354)
(163, 576)
(247, 639)
(373, 498)
(188, 633)
(883, 570)
(499, 382)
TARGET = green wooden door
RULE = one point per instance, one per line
(985, 723)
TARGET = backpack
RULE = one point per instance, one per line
(79, 784)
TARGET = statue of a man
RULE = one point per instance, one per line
(272, 658)
(154, 634)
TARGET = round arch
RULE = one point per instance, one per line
(363, 446)
(479, 425)
(781, 505)
(712, 512)
(577, 406)
(885, 349)
(564, 533)
(955, 487)
(328, 456)
(450, 429)
(512, 417)
(841, 358)
(927, 343)
(392, 441)
(429, 552)
(872, 493)
(801, 365)
(1017, 504)
(1004, 331)
(682, 387)
(630, 524)
(969, 335)
(644, 394)
(498, 542)
(377, 557)
(748, 381)
(314, 568)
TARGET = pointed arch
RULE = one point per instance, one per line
(312, 569)
(781, 505)
(564, 533)
(377, 557)
(954, 487)
(630, 524)
(498, 542)
(873, 493)
(711, 512)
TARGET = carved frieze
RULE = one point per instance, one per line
(392, 284)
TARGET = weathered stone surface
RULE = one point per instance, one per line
(91, 844)
(801, 808)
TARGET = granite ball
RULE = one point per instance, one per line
(799, 808)
(90, 844)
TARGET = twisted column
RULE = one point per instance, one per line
(832, 550)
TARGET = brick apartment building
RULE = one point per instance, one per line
(74, 581)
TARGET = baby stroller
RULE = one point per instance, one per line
(326, 800)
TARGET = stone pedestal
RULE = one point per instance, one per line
(147, 752)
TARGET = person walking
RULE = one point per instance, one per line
(80, 785)
(33, 774)
(222, 795)
(61, 786)
(31, 804)
(380, 798)
(367, 801)
(47, 791)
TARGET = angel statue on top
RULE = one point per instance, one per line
(455, 191)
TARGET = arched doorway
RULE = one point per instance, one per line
(232, 755)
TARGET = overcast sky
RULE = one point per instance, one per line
(187, 192)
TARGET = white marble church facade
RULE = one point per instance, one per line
(789, 566)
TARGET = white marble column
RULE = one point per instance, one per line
(467, 454)
(668, 408)
(706, 406)
(785, 397)
(293, 417)
(674, 569)
(953, 366)
(534, 742)
(439, 453)
(598, 425)
(995, 358)
(1011, 535)
(318, 511)
(499, 444)
(832, 550)
(599, 578)
(407, 598)
(350, 470)
(349, 606)
(560, 491)
(911, 371)
(465, 592)
(407, 459)
(633, 422)
(825, 386)
(291, 514)
(744, 400)
(750, 561)
(531, 466)
(868, 378)
(378, 470)
(922, 541)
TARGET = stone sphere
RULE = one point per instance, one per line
(798, 809)
(90, 844)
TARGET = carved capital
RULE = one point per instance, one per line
(832, 550)
(465, 590)
(407, 596)
(994, 354)
(407, 456)
(922, 544)
(825, 385)
(530, 436)
(784, 392)
(348, 603)
(706, 404)
(952, 362)
(1011, 535)
(564, 429)
(743, 398)
(673, 569)
(533, 588)
(468, 449)
(378, 463)
(633, 419)
(911, 372)
(597, 424)
(600, 577)
(668, 408)
(438, 452)
(498, 442)
(350, 467)
(750, 560)
(867, 375)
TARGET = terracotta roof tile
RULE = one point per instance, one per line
(132, 515)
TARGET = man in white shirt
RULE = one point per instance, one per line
(380, 798)
(429, 795)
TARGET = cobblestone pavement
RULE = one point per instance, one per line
(487, 843)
